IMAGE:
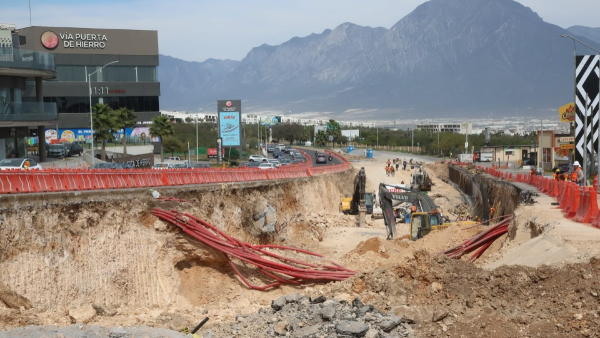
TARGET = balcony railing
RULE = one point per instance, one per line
(28, 59)
(28, 111)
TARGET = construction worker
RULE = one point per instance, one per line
(492, 211)
(577, 174)
(557, 175)
(26, 164)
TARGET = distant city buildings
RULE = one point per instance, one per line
(255, 118)
(459, 128)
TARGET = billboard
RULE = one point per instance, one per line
(213, 152)
(83, 135)
(230, 122)
(566, 113)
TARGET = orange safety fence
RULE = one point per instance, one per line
(56, 179)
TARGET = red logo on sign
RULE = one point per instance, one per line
(49, 40)
(228, 104)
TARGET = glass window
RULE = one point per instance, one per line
(146, 74)
(108, 74)
(111, 74)
(70, 73)
(127, 74)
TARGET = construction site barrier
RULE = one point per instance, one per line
(56, 180)
(578, 204)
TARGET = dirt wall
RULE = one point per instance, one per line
(486, 191)
(64, 250)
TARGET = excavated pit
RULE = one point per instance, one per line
(486, 192)
(60, 251)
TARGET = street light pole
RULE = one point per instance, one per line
(91, 116)
(584, 134)
(198, 113)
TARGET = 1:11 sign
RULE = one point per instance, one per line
(105, 90)
(100, 90)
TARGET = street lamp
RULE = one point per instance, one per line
(584, 134)
(212, 104)
(91, 116)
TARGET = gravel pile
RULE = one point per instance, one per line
(300, 316)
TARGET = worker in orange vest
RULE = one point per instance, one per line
(26, 164)
(557, 175)
(577, 174)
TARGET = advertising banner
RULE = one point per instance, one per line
(135, 135)
(212, 152)
(220, 149)
(230, 122)
(566, 113)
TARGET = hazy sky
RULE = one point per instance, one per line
(195, 30)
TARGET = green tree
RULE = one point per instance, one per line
(321, 138)
(105, 122)
(161, 127)
(305, 135)
(125, 118)
(333, 129)
(172, 145)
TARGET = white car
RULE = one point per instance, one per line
(275, 162)
(257, 158)
(267, 166)
(19, 163)
(162, 166)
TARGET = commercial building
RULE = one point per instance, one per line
(23, 113)
(460, 128)
(129, 81)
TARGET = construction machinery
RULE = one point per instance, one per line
(357, 204)
(393, 196)
(422, 223)
(420, 180)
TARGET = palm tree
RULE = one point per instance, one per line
(333, 129)
(125, 119)
(104, 124)
(160, 127)
(321, 138)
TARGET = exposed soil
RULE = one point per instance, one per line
(103, 259)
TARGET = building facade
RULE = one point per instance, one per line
(459, 128)
(23, 72)
(130, 80)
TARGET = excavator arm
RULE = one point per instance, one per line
(393, 195)
(358, 197)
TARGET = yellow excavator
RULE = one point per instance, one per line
(350, 205)
(426, 217)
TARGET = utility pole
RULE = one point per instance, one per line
(412, 139)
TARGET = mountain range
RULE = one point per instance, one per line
(447, 58)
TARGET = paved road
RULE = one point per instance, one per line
(384, 155)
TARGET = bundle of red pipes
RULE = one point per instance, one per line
(280, 269)
(480, 242)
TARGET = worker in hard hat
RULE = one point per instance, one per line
(577, 174)
(557, 175)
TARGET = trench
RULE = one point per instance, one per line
(486, 191)
(105, 247)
